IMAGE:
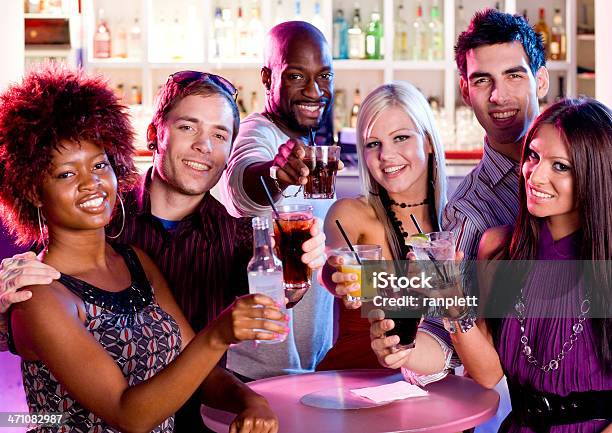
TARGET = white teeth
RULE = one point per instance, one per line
(311, 108)
(92, 203)
(540, 194)
(196, 165)
(395, 169)
(505, 114)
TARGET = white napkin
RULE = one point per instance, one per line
(390, 392)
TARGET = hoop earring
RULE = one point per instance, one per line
(40, 228)
(122, 220)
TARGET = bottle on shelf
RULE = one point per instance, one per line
(254, 104)
(374, 38)
(255, 34)
(317, 18)
(178, 39)
(355, 108)
(298, 11)
(240, 103)
(524, 14)
(436, 36)
(218, 33)
(419, 35)
(558, 44)
(561, 90)
(135, 41)
(242, 34)
(400, 43)
(340, 36)
(462, 22)
(356, 37)
(228, 49)
(265, 270)
(33, 6)
(340, 112)
(120, 48)
(102, 38)
(136, 95)
(542, 28)
(279, 15)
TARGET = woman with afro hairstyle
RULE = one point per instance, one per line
(106, 344)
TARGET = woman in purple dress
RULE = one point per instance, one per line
(554, 341)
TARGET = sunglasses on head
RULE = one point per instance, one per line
(183, 78)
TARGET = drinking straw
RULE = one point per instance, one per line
(311, 136)
(271, 201)
(431, 257)
(348, 242)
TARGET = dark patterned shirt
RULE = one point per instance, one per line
(140, 337)
(203, 259)
(487, 197)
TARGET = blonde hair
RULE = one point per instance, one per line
(405, 96)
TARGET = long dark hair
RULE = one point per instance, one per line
(585, 125)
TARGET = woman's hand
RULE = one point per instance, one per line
(258, 417)
(250, 317)
(345, 282)
(385, 347)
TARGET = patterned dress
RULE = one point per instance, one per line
(133, 329)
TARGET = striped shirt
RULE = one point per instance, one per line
(487, 197)
(203, 259)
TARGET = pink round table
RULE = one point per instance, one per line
(452, 405)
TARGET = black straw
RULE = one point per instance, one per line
(416, 223)
(348, 242)
(311, 137)
(271, 201)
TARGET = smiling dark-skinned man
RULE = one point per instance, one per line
(299, 83)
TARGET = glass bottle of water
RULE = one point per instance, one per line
(265, 270)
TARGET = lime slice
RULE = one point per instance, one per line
(417, 239)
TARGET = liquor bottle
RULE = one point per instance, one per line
(419, 36)
(356, 37)
(355, 108)
(242, 41)
(265, 270)
(135, 41)
(436, 38)
(229, 49)
(462, 23)
(400, 48)
(561, 91)
(255, 34)
(121, 41)
(298, 11)
(525, 15)
(178, 45)
(102, 38)
(557, 37)
(135, 95)
(279, 16)
(218, 33)
(374, 36)
(242, 111)
(254, 104)
(340, 38)
(542, 28)
(317, 19)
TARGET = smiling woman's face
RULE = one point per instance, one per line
(549, 177)
(396, 153)
(79, 192)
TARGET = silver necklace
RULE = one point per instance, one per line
(568, 344)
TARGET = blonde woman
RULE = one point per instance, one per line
(401, 169)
